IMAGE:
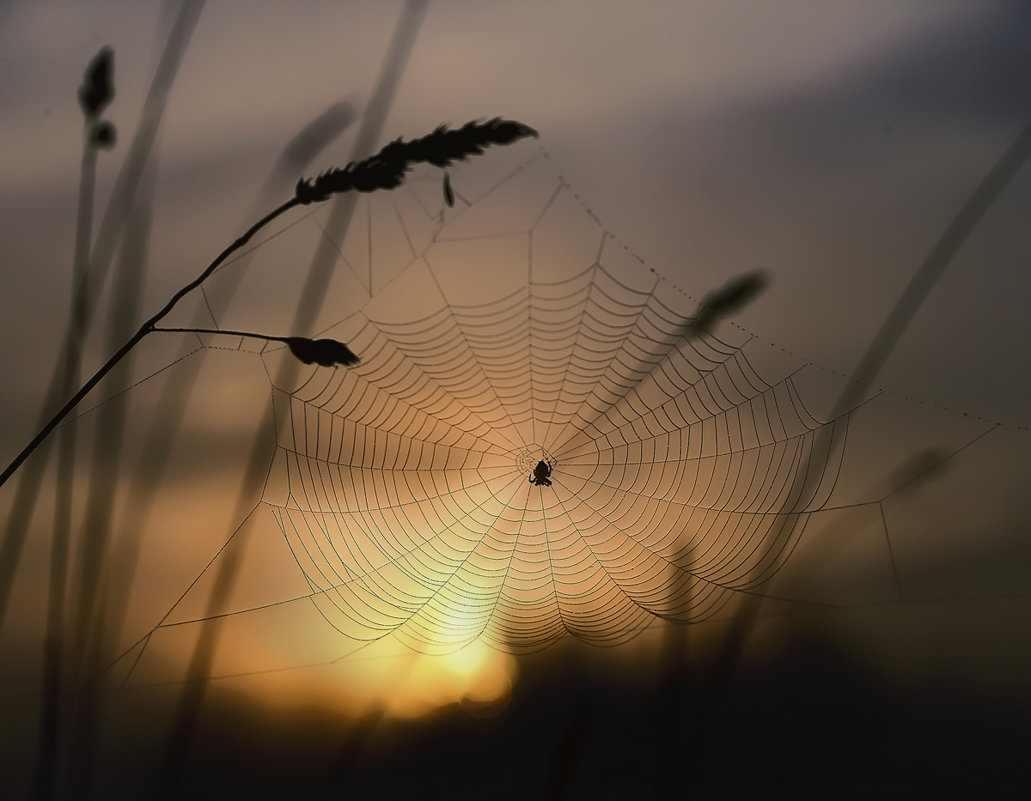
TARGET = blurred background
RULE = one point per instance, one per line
(828, 145)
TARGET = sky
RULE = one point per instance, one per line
(827, 144)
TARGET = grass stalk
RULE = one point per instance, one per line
(91, 631)
(714, 695)
(53, 643)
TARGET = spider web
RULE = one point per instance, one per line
(677, 469)
(689, 469)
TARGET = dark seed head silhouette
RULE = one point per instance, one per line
(386, 170)
(97, 89)
(733, 296)
(325, 352)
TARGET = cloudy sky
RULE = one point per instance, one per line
(827, 144)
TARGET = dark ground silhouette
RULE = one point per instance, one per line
(809, 722)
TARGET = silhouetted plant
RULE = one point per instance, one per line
(96, 92)
(732, 297)
(326, 352)
(715, 688)
(103, 135)
(97, 89)
(385, 170)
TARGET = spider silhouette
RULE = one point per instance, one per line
(540, 474)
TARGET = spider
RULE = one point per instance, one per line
(540, 474)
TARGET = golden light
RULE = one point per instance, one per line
(476, 676)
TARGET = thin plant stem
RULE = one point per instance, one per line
(92, 632)
(53, 643)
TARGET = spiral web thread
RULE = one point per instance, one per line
(679, 475)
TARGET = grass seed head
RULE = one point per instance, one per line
(387, 169)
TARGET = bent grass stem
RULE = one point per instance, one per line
(386, 170)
